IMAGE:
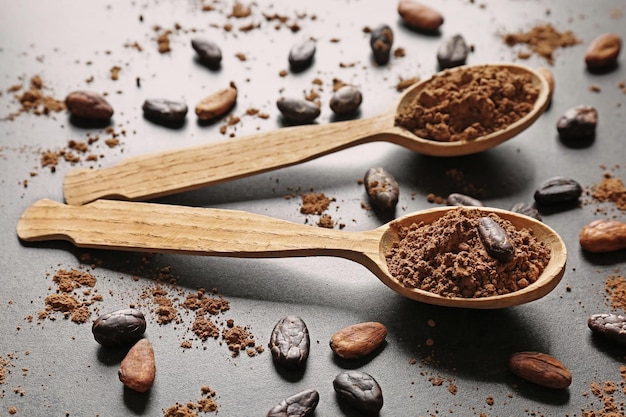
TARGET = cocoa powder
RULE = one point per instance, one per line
(464, 104)
(542, 40)
(448, 258)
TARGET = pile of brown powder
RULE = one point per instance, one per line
(465, 104)
(447, 257)
(605, 392)
(34, 100)
(610, 189)
(615, 287)
(206, 404)
(542, 40)
(66, 300)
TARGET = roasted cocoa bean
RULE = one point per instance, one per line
(346, 100)
(558, 190)
(453, 52)
(495, 239)
(301, 404)
(164, 111)
(137, 370)
(603, 51)
(289, 342)
(301, 55)
(217, 104)
(419, 16)
(119, 328)
(209, 53)
(88, 105)
(578, 125)
(611, 326)
(527, 210)
(381, 40)
(382, 188)
(298, 110)
(541, 369)
(358, 340)
(603, 235)
(359, 390)
(456, 199)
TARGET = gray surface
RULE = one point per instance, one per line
(67, 372)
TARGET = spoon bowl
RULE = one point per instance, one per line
(156, 175)
(150, 227)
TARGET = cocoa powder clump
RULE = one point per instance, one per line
(459, 105)
(611, 189)
(542, 40)
(447, 257)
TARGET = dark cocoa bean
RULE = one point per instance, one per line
(164, 111)
(301, 404)
(453, 52)
(209, 53)
(558, 190)
(301, 55)
(359, 390)
(527, 210)
(578, 125)
(346, 100)
(456, 199)
(382, 188)
(381, 40)
(88, 105)
(289, 342)
(495, 239)
(119, 328)
(611, 326)
(298, 110)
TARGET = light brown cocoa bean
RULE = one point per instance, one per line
(358, 340)
(137, 370)
(419, 16)
(88, 105)
(603, 51)
(217, 104)
(603, 235)
(541, 369)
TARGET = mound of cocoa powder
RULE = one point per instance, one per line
(464, 104)
(447, 257)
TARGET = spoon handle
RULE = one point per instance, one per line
(150, 227)
(169, 172)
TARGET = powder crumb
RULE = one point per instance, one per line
(615, 287)
(405, 83)
(314, 203)
(610, 189)
(326, 221)
(206, 404)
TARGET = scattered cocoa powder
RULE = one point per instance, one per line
(34, 100)
(238, 338)
(542, 40)
(604, 392)
(65, 300)
(610, 189)
(481, 99)
(447, 257)
(206, 404)
(615, 287)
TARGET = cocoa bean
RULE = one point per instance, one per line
(137, 370)
(541, 369)
(603, 51)
(217, 104)
(358, 340)
(603, 235)
(88, 105)
(419, 16)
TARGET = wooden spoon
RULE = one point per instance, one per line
(150, 176)
(150, 227)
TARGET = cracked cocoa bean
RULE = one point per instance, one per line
(289, 342)
(382, 188)
(381, 40)
(301, 404)
(359, 390)
(495, 239)
(453, 52)
(609, 325)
